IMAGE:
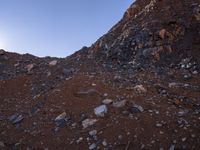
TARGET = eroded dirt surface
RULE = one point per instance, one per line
(170, 114)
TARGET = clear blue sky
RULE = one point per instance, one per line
(56, 27)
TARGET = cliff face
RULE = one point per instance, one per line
(152, 31)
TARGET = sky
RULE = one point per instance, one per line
(56, 27)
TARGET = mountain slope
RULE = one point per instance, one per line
(137, 87)
(156, 31)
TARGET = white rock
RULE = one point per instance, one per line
(195, 72)
(159, 125)
(88, 122)
(100, 111)
(93, 84)
(92, 146)
(182, 113)
(48, 73)
(120, 137)
(104, 143)
(53, 63)
(184, 139)
(105, 94)
(173, 85)
(29, 67)
(61, 116)
(107, 101)
(16, 65)
(79, 140)
(74, 125)
(140, 89)
(174, 141)
(193, 135)
(93, 132)
(161, 132)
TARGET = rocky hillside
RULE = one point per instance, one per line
(152, 31)
(137, 87)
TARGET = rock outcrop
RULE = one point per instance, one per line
(152, 32)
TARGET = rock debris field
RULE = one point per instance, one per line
(137, 87)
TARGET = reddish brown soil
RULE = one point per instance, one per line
(159, 53)
(138, 129)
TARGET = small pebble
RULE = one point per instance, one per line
(161, 132)
(159, 125)
(107, 101)
(104, 143)
(79, 140)
(2, 144)
(93, 84)
(174, 141)
(184, 139)
(193, 135)
(195, 72)
(92, 146)
(120, 137)
(93, 132)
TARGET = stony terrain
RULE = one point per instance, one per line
(137, 87)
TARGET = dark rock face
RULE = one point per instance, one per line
(152, 31)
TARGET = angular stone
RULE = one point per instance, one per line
(162, 33)
(92, 146)
(173, 85)
(119, 104)
(93, 132)
(61, 116)
(30, 67)
(182, 113)
(68, 72)
(15, 119)
(136, 109)
(107, 101)
(61, 120)
(88, 122)
(100, 111)
(184, 139)
(12, 117)
(18, 120)
(79, 140)
(104, 143)
(140, 89)
(53, 63)
(159, 125)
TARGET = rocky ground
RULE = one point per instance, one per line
(97, 99)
